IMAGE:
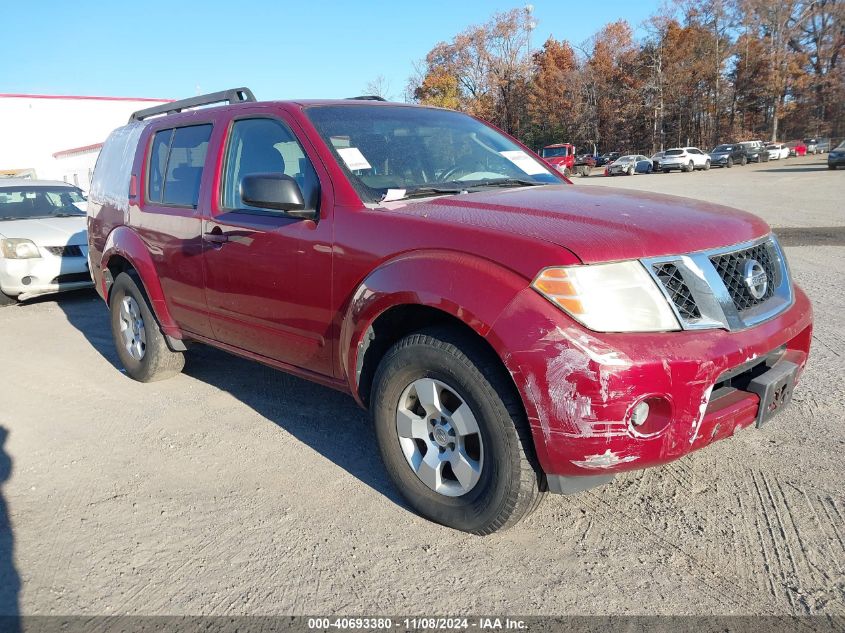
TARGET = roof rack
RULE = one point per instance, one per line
(233, 95)
(366, 98)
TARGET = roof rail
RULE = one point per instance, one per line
(366, 98)
(233, 95)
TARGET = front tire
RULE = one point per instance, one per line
(743, 161)
(140, 344)
(730, 162)
(630, 171)
(452, 433)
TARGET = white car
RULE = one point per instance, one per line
(43, 239)
(684, 159)
(777, 151)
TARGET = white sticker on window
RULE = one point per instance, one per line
(353, 158)
(524, 162)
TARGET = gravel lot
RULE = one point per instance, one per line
(234, 489)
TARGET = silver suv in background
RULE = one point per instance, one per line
(684, 159)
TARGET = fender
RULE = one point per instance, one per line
(126, 243)
(470, 288)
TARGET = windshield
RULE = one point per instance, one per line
(552, 152)
(841, 145)
(722, 148)
(392, 152)
(32, 201)
(626, 159)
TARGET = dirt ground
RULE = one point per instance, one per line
(235, 489)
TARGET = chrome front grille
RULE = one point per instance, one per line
(678, 291)
(730, 269)
(709, 289)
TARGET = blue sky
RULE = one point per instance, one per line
(280, 49)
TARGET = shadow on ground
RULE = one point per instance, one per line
(328, 421)
(798, 168)
(10, 583)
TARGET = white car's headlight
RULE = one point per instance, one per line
(617, 297)
(16, 248)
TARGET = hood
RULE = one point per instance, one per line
(598, 224)
(47, 231)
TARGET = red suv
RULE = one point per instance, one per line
(511, 334)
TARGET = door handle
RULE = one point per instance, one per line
(215, 237)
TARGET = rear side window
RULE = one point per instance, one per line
(176, 161)
(110, 183)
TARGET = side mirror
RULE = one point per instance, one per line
(275, 191)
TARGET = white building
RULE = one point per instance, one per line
(59, 137)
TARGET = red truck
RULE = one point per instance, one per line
(510, 334)
(563, 158)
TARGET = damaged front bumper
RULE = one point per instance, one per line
(581, 388)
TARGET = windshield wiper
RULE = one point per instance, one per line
(506, 182)
(423, 191)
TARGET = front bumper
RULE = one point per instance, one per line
(580, 387)
(26, 278)
(837, 160)
(719, 161)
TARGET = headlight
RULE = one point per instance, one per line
(618, 297)
(14, 248)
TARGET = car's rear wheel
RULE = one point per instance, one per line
(140, 344)
(690, 167)
(743, 161)
(452, 433)
(706, 165)
(730, 162)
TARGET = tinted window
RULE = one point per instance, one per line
(674, 152)
(158, 163)
(188, 148)
(176, 159)
(261, 146)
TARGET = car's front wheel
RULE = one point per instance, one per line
(140, 344)
(706, 165)
(452, 433)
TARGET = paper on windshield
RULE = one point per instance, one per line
(524, 162)
(353, 158)
(393, 194)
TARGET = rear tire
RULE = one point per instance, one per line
(743, 161)
(730, 162)
(140, 344)
(690, 167)
(706, 165)
(507, 484)
(630, 171)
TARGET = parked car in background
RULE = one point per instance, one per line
(510, 334)
(777, 151)
(812, 145)
(728, 155)
(796, 148)
(836, 157)
(684, 159)
(823, 145)
(43, 240)
(606, 159)
(586, 159)
(629, 165)
(655, 160)
(755, 151)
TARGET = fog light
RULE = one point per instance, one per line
(640, 414)
(26, 281)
